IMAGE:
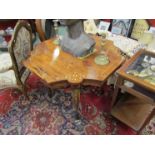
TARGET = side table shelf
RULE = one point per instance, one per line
(132, 111)
(140, 93)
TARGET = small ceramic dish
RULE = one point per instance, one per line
(133, 72)
(145, 64)
(145, 73)
(101, 59)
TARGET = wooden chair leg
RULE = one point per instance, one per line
(25, 94)
(15, 92)
(24, 91)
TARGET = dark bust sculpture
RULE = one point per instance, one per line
(76, 41)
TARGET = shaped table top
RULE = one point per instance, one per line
(52, 64)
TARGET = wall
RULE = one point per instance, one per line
(151, 22)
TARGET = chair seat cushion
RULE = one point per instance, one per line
(8, 79)
(5, 62)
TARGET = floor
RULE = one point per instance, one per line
(47, 113)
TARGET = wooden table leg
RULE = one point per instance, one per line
(50, 92)
(76, 100)
(116, 90)
(152, 113)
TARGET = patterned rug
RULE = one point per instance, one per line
(45, 113)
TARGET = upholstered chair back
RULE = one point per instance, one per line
(20, 48)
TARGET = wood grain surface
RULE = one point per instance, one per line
(53, 65)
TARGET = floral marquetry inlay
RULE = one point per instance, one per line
(75, 77)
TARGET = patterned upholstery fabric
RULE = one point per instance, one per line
(5, 62)
(22, 46)
(8, 79)
(19, 48)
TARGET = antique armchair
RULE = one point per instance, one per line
(46, 29)
(19, 49)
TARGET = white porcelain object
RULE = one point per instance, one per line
(153, 68)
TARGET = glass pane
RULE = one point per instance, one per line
(144, 68)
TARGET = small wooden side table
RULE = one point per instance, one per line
(136, 110)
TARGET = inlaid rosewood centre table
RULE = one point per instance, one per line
(56, 67)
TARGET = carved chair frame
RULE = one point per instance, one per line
(21, 23)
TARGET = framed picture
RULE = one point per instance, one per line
(103, 26)
(122, 26)
(90, 26)
(140, 26)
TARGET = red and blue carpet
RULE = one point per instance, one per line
(53, 114)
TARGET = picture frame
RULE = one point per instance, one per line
(90, 26)
(139, 27)
(103, 26)
(122, 26)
